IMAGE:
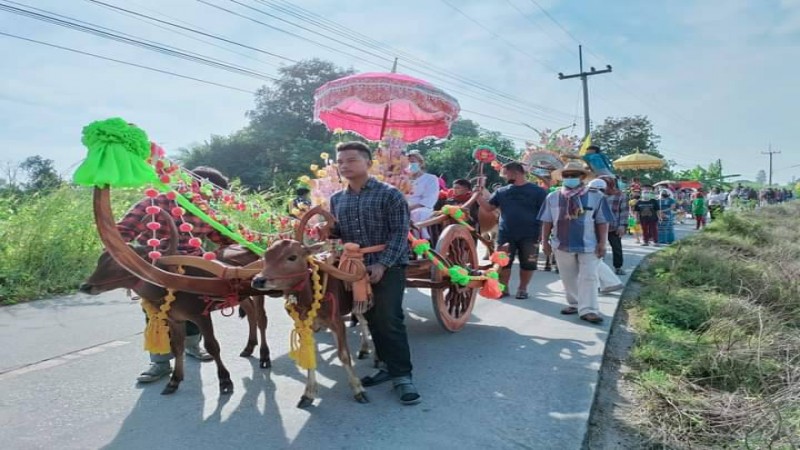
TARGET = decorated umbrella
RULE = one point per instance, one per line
(369, 104)
(639, 161)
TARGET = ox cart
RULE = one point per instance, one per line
(452, 301)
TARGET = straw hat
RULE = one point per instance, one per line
(571, 167)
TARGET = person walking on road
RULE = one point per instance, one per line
(133, 227)
(575, 226)
(371, 213)
(648, 214)
(519, 203)
(618, 203)
(699, 210)
(666, 226)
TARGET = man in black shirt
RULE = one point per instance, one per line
(519, 203)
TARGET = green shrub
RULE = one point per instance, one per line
(717, 331)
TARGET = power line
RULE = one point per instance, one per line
(338, 29)
(195, 31)
(558, 24)
(140, 66)
(493, 33)
(281, 30)
(175, 52)
(541, 115)
(189, 36)
(386, 58)
(526, 17)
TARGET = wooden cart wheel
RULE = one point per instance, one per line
(453, 304)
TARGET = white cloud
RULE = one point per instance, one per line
(714, 76)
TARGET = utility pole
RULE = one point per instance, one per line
(584, 78)
(770, 152)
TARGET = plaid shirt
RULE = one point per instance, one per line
(134, 226)
(619, 209)
(376, 215)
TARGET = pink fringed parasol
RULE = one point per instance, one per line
(369, 104)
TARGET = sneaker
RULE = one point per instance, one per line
(609, 289)
(156, 371)
(193, 349)
(197, 352)
(620, 271)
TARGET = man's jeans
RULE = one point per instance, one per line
(579, 274)
(385, 320)
(615, 241)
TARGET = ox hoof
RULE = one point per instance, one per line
(265, 364)
(305, 402)
(170, 389)
(362, 354)
(246, 353)
(362, 397)
(226, 387)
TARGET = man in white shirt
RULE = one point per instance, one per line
(425, 191)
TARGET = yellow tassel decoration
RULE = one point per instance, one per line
(156, 334)
(303, 348)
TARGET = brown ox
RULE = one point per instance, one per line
(110, 275)
(286, 269)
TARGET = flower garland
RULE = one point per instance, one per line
(156, 333)
(491, 288)
(303, 349)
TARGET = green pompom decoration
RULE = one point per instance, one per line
(493, 274)
(117, 156)
(459, 275)
(422, 248)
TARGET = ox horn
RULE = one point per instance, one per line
(130, 260)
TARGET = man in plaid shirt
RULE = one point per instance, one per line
(133, 227)
(618, 202)
(369, 212)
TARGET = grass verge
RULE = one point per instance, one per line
(716, 358)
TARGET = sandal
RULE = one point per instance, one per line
(592, 318)
(569, 310)
(522, 295)
(381, 376)
(406, 391)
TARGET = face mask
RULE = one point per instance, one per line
(571, 183)
(414, 167)
(647, 196)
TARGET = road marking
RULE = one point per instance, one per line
(59, 360)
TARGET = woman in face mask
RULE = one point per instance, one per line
(648, 213)
(666, 227)
(424, 193)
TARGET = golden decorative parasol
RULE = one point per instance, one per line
(639, 161)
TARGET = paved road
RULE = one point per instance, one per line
(520, 375)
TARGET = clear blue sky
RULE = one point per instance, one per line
(717, 78)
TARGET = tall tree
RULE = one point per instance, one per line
(620, 136)
(42, 175)
(454, 160)
(281, 137)
(761, 177)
